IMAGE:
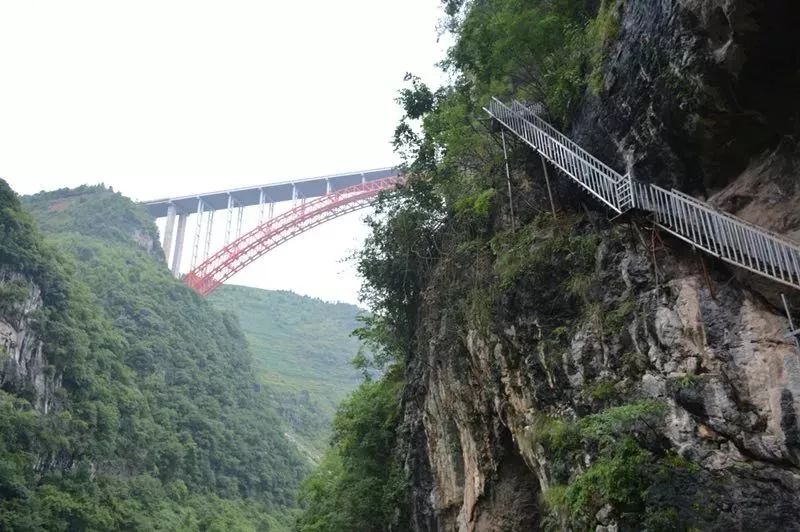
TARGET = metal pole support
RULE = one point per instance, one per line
(508, 182)
(547, 182)
(197, 232)
(793, 333)
(229, 219)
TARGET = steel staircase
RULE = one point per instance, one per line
(721, 234)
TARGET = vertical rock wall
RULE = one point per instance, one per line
(24, 370)
(702, 96)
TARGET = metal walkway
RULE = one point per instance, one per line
(721, 234)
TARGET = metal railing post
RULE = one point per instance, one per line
(688, 218)
(508, 181)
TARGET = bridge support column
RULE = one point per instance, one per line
(229, 220)
(169, 228)
(197, 233)
(179, 237)
(209, 228)
(263, 199)
(239, 221)
(260, 204)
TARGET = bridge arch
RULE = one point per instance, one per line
(238, 254)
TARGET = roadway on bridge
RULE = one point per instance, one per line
(269, 193)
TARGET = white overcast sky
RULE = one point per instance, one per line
(168, 97)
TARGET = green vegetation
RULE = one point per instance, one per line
(442, 231)
(536, 50)
(618, 478)
(687, 380)
(616, 319)
(626, 465)
(547, 254)
(157, 424)
(477, 205)
(359, 485)
(543, 51)
(114, 219)
(302, 349)
(601, 32)
(602, 390)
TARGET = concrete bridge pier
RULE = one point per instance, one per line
(170, 252)
(169, 228)
(179, 238)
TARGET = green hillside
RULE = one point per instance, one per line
(155, 419)
(302, 348)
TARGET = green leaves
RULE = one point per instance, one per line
(416, 101)
(358, 485)
(535, 50)
(393, 263)
(302, 349)
(615, 479)
(606, 426)
(477, 204)
(546, 51)
(621, 470)
(158, 424)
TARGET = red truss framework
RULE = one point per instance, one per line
(232, 258)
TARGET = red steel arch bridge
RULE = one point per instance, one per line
(314, 202)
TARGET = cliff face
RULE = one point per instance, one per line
(694, 90)
(24, 369)
(587, 321)
(717, 360)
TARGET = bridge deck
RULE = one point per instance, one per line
(272, 192)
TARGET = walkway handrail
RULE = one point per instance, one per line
(592, 174)
(563, 139)
(719, 233)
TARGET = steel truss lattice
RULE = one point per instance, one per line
(271, 233)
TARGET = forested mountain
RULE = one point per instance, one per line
(303, 350)
(127, 401)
